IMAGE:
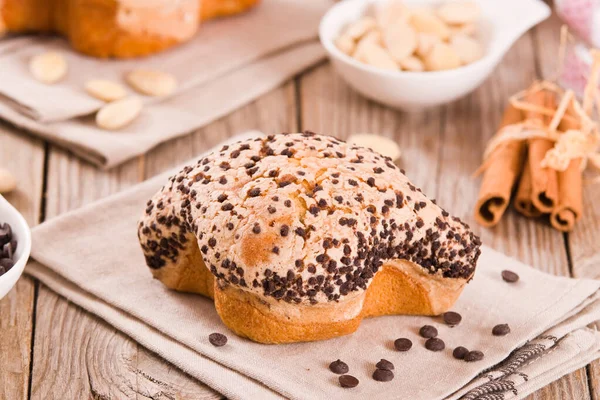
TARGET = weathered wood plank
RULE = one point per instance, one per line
(24, 157)
(95, 360)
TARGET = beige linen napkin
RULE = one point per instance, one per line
(92, 257)
(229, 62)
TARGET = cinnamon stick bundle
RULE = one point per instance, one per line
(502, 171)
(570, 190)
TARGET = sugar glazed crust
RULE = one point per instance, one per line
(296, 227)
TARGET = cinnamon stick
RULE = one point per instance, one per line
(544, 180)
(523, 198)
(522, 202)
(570, 190)
(504, 166)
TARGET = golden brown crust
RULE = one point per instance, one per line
(96, 27)
(397, 290)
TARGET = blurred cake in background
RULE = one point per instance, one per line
(116, 28)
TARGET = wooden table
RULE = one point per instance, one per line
(52, 349)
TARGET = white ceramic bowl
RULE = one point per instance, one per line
(21, 232)
(502, 23)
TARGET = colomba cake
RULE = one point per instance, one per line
(298, 237)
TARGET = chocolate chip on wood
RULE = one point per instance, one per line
(452, 318)
(460, 352)
(509, 276)
(339, 367)
(501, 330)
(385, 364)
(348, 381)
(428, 331)
(217, 339)
(435, 344)
(403, 344)
(383, 375)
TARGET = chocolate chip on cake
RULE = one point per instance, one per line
(460, 352)
(217, 339)
(428, 331)
(348, 381)
(509, 276)
(474, 355)
(385, 364)
(339, 367)
(383, 375)
(402, 344)
(435, 344)
(501, 330)
(452, 318)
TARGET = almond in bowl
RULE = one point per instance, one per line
(415, 38)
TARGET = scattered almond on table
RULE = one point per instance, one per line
(381, 144)
(151, 82)
(401, 38)
(105, 90)
(8, 183)
(119, 113)
(49, 67)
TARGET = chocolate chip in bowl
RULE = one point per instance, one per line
(15, 245)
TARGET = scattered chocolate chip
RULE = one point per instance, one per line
(474, 355)
(348, 381)
(217, 339)
(435, 344)
(452, 318)
(385, 364)
(501, 330)
(339, 367)
(460, 352)
(509, 276)
(428, 331)
(403, 344)
(383, 375)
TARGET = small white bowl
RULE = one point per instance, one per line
(502, 22)
(21, 232)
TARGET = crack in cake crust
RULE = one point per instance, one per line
(303, 218)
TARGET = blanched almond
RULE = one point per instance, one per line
(373, 37)
(412, 63)
(381, 144)
(465, 29)
(400, 40)
(468, 49)
(105, 90)
(151, 82)
(425, 42)
(425, 21)
(346, 44)
(49, 67)
(391, 12)
(8, 182)
(119, 113)
(376, 56)
(361, 27)
(442, 57)
(458, 12)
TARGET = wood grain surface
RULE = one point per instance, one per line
(52, 349)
